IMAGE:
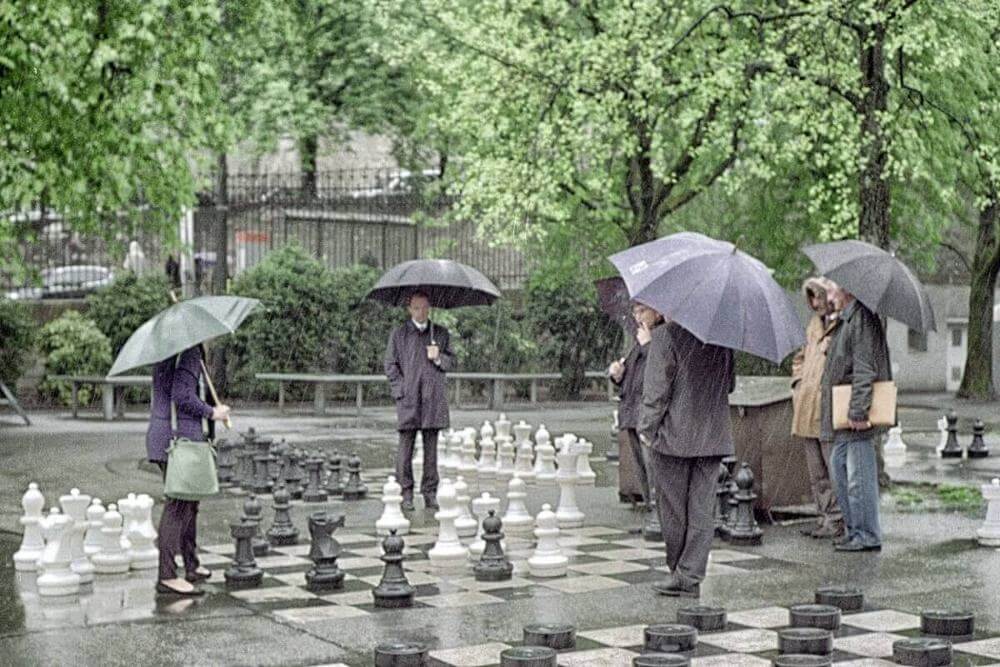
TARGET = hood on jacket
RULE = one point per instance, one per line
(816, 285)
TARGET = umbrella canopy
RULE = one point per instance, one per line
(447, 283)
(181, 326)
(720, 294)
(614, 301)
(877, 279)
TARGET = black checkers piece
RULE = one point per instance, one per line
(553, 636)
(802, 660)
(401, 654)
(814, 641)
(670, 638)
(661, 660)
(529, 656)
(825, 616)
(844, 598)
(702, 618)
(939, 623)
(922, 652)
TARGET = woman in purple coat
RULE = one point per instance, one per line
(176, 380)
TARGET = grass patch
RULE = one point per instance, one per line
(937, 498)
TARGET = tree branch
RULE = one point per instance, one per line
(961, 255)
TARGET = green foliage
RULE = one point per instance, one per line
(960, 497)
(362, 326)
(938, 498)
(17, 333)
(491, 338)
(124, 305)
(73, 345)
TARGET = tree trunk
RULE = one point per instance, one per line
(977, 381)
(220, 273)
(309, 154)
(874, 192)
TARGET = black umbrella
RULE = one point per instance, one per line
(877, 279)
(614, 301)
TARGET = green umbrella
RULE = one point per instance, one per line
(181, 326)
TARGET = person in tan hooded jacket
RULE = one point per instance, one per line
(807, 374)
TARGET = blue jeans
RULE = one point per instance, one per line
(855, 477)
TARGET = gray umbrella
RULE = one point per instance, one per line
(877, 279)
(718, 293)
(447, 284)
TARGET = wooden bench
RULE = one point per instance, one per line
(109, 386)
(497, 380)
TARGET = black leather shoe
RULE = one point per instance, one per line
(850, 546)
(196, 576)
(676, 588)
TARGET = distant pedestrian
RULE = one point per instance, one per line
(627, 373)
(858, 356)
(176, 400)
(416, 359)
(807, 375)
(685, 422)
(136, 261)
(173, 270)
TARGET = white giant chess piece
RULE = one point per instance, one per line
(125, 506)
(524, 467)
(57, 577)
(568, 513)
(465, 525)
(33, 543)
(95, 521)
(487, 470)
(585, 475)
(142, 535)
(895, 449)
(545, 467)
(505, 460)
(503, 427)
(418, 461)
(989, 534)
(481, 507)
(111, 559)
(468, 468)
(486, 430)
(452, 454)
(548, 559)
(392, 516)
(942, 425)
(517, 521)
(74, 506)
(448, 551)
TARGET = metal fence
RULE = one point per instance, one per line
(377, 216)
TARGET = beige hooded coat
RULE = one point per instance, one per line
(807, 369)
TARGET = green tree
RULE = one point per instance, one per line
(73, 345)
(123, 306)
(17, 334)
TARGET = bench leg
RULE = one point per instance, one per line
(281, 397)
(359, 399)
(534, 392)
(120, 402)
(108, 399)
(496, 400)
(320, 398)
(76, 399)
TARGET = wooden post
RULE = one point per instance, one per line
(320, 398)
(360, 397)
(458, 392)
(76, 397)
(108, 399)
(281, 397)
(496, 400)
(534, 390)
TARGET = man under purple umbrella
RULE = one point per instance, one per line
(416, 360)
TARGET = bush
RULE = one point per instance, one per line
(73, 345)
(362, 326)
(17, 333)
(126, 304)
(490, 339)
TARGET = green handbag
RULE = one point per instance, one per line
(191, 472)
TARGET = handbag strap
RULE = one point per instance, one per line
(173, 406)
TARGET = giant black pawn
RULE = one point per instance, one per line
(493, 564)
(977, 448)
(261, 479)
(325, 575)
(294, 475)
(745, 531)
(244, 467)
(721, 500)
(394, 591)
(952, 450)
(355, 488)
(314, 492)
(224, 460)
(253, 511)
(401, 654)
(282, 532)
(334, 483)
(243, 573)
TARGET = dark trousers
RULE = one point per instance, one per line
(685, 496)
(404, 462)
(177, 533)
(640, 454)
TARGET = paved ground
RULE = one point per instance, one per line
(929, 560)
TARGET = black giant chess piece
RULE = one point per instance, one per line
(294, 475)
(244, 466)
(977, 448)
(394, 591)
(243, 573)
(731, 464)
(283, 532)
(253, 512)
(355, 489)
(277, 463)
(745, 530)
(261, 479)
(325, 575)
(952, 449)
(314, 492)
(721, 500)
(224, 460)
(493, 564)
(334, 483)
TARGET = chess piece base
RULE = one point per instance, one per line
(243, 577)
(393, 596)
(26, 560)
(494, 571)
(355, 495)
(319, 582)
(548, 566)
(283, 537)
(53, 584)
(315, 497)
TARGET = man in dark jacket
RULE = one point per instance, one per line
(416, 360)
(685, 422)
(857, 356)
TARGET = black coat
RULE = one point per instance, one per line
(419, 386)
(630, 387)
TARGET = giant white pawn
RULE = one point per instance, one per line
(57, 578)
(542, 438)
(486, 431)
(465, 525)
(545, 466)
(418, 462)
(989, 534)
(505, 460)
(448, 551)
(392, 516)
(452, 454)
(33, 543)
(481, 507)
(111, 559)
(503, 427)
(143, 554)
(125, 507)
(74, 506)
(517, 521)
(895, 449)
(468, 468)
(568, 513)
(585, 475)
(95, 517)
(524, 467)
(942, 425)
(548, 559)
(487, 469)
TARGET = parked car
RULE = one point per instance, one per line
(66, 282)
(397, 183)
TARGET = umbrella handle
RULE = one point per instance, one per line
(208, 378)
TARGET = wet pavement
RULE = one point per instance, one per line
(930, 560)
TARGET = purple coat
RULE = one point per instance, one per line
(419, 385)
(181, 385)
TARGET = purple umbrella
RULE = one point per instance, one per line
(720, 294)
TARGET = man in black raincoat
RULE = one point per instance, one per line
(416, 360)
